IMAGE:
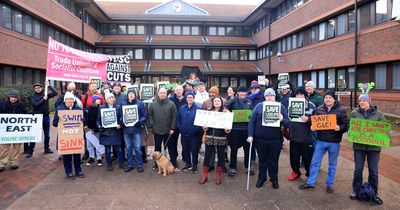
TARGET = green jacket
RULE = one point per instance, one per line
(371, 114)
(316, 99)
(162, 116)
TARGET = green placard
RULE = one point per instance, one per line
(242, 115)
(369, 132)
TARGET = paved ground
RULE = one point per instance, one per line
(40, 184)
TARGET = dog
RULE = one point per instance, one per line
(164, 165)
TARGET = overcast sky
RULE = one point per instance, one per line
(241, 2)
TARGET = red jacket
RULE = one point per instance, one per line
(86, 102)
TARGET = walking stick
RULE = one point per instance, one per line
(249, 166)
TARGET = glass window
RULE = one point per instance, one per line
(130, 53)
(215, 55)
(396, 9)
(252, 55)
(243, 81)
(352, 21)
(131, 29)
(113, 29)
(7, 75)
(195, 30)
(138, 53)
(177, 54)
(230, 31)
(177, 30)
(234, 55)
(288, 43)
(185, 30)
(140, 29)
(121, 29)
(351, 77)
(321, 79)
(104, 28)
(37, 76)
(294, 41)
(224, 82)
(167, 30)
(341, 24)
(159, 30)
(187, 54)
(283, 45)
(322, 27)
(224, 54)
(167, 54)
(18, 76)
(196, 54)
(37, 27)
(221, 31)
(300, 79)
(28, 76)
(234, 81)
(331, 28)
(212, 31)
(341, 83)
(7, 17)
(314, 76)
(243, 55)
(119, 51)
(18, 21)
(28, 26)
(279, 46)
(331, 78)
(314, 34)
(396, 76)
(158, 54)
(381, 7)
(300, 44)
(108, 51)
(380, 76)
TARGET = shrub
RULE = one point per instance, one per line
(24, 91)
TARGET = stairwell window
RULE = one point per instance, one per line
(396, 76)
(380, 76)
(381, 11)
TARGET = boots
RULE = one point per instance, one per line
(218, 173)
(204, 176)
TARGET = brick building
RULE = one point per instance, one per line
(230, 44)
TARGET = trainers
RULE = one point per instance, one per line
(14, 167)
(70, 177)
(232, 172)
(305, 186)
(187, 167)
(29, 155)
(48, 151)
(329, 188)
(99, 162)
(377, 201)
(194, 169)
(293, 176)
(252, 173)
(353, 196)
(90, 162)
(140, 169)
(155, 167)
(177, 169)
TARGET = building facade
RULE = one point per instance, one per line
(230, 44)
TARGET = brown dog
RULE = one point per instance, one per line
(164, 165)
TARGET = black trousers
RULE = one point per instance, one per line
(173, 153)
(304, 151)
(220, 152)
(268, 156)
(237, 139)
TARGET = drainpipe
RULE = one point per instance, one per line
(269, 48)
(83, 29)
(355, 53)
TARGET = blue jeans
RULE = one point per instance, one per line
(67, 160)
(333, 153)
(108, 154)
(46, 130)
(133, 140)
(92, 150)
(373, 162)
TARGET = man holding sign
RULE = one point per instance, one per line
(328, 140)
(361, 151)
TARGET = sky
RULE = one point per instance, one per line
(241, 2)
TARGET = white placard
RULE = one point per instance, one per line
(130, 114)
(270, 114)
(146, 91)
(296, 109)
(21, 128)
(261, 80)
(213, 119)
(108, 118)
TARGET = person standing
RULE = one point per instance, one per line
(327, 141)
(268, 146)
(179, 100)
(230, 92)
(120, 98)
(256, 95)
(201, 94)
(71, 87)
(13, 105)
(87, 98)
(365, 110)
(91, 114)
(314, 96)
(162, 118)
(40, 105)
(69, 104)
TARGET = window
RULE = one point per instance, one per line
(109, 51)
(300, 44)
(215, 55)
(196, 54)
(37, 76)
(352, 21)
(28, 76)
(288, 43)
(122, 29)
(380, 76)
(234, 55)
(212, 31)
(321, 79)
(37, 27)
(314, 76)
(167, 54)
(396, 76)
(140, 29)
(224, 54)
(159, 30)
(104, 29)
(119, 51)
(185, 30)
(243, 81)
(331, 29)
(283, 45)
(7, 75)
(331, 78)
(18, 21)
(177, 30)
(113, 29)
(28, 26)
(341, 24)
(294, 41)
(341, 83)
(158, 54)
(7, 18)
(243, 55)
(252, 55)
(314, 34)
(234, 82)
(322, 27)
(131, 29)
(300, 79)
(177, 54)
(351, 77)
(18, 76)
(167, 30)
(221, 31)
(187, 54)
(381, 8)
(230, 31)
(195, 30)
(279, 46)
(224, 82)
(395, 9)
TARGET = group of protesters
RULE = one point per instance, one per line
(172, 114)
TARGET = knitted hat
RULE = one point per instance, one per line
(310, 83)
(13, 93)
(94, 98)
(215, 90)
(269, 92)
(69, 95)
(364, 97)
(189, 93)
(254, 84)
(330, 93)
(131, 90)
(108, 95)
(242, 88)
(301, 90)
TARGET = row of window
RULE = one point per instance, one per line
(135, 53)
(177, 54)
(114, 28)
(176, 30)
(226, 54)
(73, 7)
(18, 75)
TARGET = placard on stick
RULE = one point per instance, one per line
(70, 132)
(323, 122)
(369, 132)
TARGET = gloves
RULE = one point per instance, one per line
(249, 139)
(138, 125)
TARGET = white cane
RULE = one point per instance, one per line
(249, 166)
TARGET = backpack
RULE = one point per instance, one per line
(367, 193)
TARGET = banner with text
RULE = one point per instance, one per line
(369, 132)
(213, 119)
(20, 128)
(70, 132)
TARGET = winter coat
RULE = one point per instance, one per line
(284, 99)
(41, 106)
(256, 99)
(372, 114)
(142, 111)
(341, 119)
(63, 107)
(316, 99)
(176, 101)
(12, 108)
(120, 98)
(185, 120)
(162, 116)
(91, 113)
(301, 132)
(239, 104)
(109, 136)
(87, 99)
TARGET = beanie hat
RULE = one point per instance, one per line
(108, 95)
(269, 92)
(330, 93)
(364, 97)
(254, 84)
(242, 88)
(301, 90)
(189, 93)
(94, 98)
(310, 83)
(131, 90)
(69, 95)
(37, 84)
(215, 90)
(117, 84)
(13, 93)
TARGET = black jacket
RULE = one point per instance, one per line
(63, 107)
(341, 119)
(301, 132)
(12, 108)
(91, 113)
(41, 106)
(239, 104)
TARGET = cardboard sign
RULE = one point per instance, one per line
(163, 85)
(213, 119)
(296, 109)
(70, 132)
(147, 91)
(323, 122)
(108, 118)
(270, 114)
(241, 115)
(261, 80)
(20, 128)
(283, 79)
(130, 114)
(369, 132)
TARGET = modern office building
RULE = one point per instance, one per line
(230, 44)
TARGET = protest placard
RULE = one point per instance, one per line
(70, 132)
(164, 84)
(147, 91)
(270, 114)
(213, 119)
(20, 128)
(283, 79)
(130, 115)
(323, 122)
(108, 118)
(242, 115)
(296, 109)
(261, 79)
(96, 80)
(369, 132)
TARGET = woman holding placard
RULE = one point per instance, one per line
(264, 128)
